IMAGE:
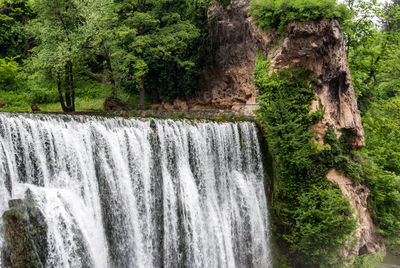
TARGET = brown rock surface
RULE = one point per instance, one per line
(317, 46)
(366, 240)
(237, 38)
(114, 104)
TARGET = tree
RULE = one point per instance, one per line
(373, 48)
(14, 39)
(164, 42)
(65, 31)
(372, 51)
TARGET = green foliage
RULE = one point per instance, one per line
(13, 101)
(308, 210)
(369, 260)
(382, 127)
(225, 3)
(279, 13)
(321, 214)
(9, 70)
(373, 52)
(386, 199)
(165, 44)
(14, 40)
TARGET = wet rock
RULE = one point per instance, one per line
(25, 234)
(35, 108)
(113, 104)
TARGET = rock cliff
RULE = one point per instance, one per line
(319, 47)
(316, 46)
(365, 239)
(236, 38)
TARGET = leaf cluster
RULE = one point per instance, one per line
(278, 14)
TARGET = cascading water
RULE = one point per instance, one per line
(139, 193)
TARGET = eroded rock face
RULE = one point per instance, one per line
(319, 47)
(230, 82)
(316, 46)
(366, 240)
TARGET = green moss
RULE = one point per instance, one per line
(311, 217)
(26, 236)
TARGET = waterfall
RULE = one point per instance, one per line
(139, 192)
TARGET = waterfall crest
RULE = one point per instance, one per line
(139, 193)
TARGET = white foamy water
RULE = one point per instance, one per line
(139, 193)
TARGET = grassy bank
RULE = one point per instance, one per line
(90, 96)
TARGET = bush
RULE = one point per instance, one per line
(279, 13)
(13, 101)
(38, 95)
(9, 70)
(322, 214)
(382, 127)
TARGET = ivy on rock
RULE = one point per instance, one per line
(310, 215)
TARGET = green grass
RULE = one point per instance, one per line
(19, 105)
(90, 96)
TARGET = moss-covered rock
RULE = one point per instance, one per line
(26, 235)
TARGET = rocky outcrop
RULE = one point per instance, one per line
(317, 46)
(365, 238)
(236, 38)
(26, 235)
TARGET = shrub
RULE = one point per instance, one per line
(279, 13)
(9, 70)
(322, 214)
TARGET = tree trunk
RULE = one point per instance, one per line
(109, 68)
(60, 94)
(67, 103)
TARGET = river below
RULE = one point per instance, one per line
(390, 261)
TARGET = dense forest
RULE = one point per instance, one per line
(72, 55)
(78, 53)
